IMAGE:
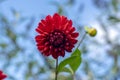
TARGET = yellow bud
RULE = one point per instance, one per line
(91, 31)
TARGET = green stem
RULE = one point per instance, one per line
(56, 72)
(82, 39)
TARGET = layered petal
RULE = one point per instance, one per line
(2, 76)
(56, 35)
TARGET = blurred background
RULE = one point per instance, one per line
(20, 59)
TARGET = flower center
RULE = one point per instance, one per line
(56, 38)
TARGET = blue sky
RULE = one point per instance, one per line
(45, 7)
(28, 7)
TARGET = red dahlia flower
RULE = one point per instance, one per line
(2, 76)
(56, 35)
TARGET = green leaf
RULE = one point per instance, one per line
(77, 61)
(76, 53)
(64, 63)
(74, 62)
(67, 69)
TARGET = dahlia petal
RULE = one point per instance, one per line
(71, 46)
(49, 23)
(62, 53)
(39, 37)
(3, 76)
(51, 47)
(67, 25)
(70, 23)
(56, 50)
(40, 42)
(0, 72)
(63, 23)
(67, 44)
(50, 52)
(67, 48)
(64, 20)
(74, 35)
(71, 29)
(41, 29)
(57, 21)
(64, 27)
(54, 55)
(45, 48)
(59, 49)
(46, 51)
(46, 43)
(40, 48)
(57, 17)
(48, 18)
(73, 41)
(43, 22)
(44, 28)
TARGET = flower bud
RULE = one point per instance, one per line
(91, 31)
